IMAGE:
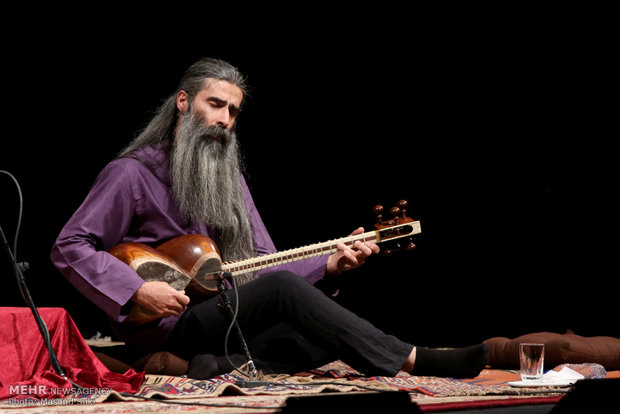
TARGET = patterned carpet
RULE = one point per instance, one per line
(183, 394)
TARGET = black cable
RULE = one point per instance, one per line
(230, 327)
(19, 213)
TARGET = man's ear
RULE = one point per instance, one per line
(182, 101)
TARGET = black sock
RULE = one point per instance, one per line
(456, 363)
(203, 366)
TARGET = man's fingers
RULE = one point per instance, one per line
(362, 248)
(182, 298)
(349, 254)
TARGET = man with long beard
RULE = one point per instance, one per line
(183, 175)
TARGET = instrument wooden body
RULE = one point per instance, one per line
(191, 262)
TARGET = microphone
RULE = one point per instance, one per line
(221, 276)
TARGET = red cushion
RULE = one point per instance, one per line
(24, 360)
(559, 349)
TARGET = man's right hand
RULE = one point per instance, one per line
(160, 299)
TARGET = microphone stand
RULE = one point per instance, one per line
(221, 277)
(21, 282)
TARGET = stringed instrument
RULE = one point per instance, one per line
(192, 262)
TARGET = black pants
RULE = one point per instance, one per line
(285, 298)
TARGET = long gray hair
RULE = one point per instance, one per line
(205, 173)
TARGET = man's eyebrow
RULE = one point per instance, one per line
(224, 102)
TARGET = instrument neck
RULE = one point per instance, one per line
(293, 255)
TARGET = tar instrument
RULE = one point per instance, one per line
(192, 262)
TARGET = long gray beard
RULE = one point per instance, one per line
(205, 174)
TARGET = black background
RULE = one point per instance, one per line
(494, 127)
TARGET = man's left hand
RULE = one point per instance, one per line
(350, 257)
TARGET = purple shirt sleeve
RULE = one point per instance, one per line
(100, 223)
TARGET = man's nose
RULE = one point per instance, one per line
(223, 120)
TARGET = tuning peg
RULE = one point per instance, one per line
(388, 252)
(394, 212)
(410, 246)
(402, 204)
(378, 209)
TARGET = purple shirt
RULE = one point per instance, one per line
(131, 201)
